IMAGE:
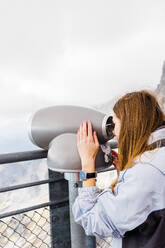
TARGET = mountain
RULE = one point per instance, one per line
(160, 90)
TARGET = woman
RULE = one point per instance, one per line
(132, 210)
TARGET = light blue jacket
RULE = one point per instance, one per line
(140, 191)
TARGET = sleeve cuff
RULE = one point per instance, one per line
(89, 191)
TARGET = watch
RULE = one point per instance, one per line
(85, 175)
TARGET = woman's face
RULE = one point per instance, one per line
(116, 130)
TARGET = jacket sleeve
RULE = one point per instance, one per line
(108, 215)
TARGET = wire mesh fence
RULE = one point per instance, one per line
(27, 230)
(104, 243)
(32, 230)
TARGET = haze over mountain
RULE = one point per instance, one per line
(159, 91)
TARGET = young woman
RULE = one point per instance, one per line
(132, 209)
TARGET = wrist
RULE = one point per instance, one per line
(88, 165)
(89, 182)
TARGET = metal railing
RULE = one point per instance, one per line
(42, 225)
(21, 228)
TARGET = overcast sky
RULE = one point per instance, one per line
(74, 52)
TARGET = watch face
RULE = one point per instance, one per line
(82, 176)
(91, 175)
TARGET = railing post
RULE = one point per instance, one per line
(59, 217)
(78, 236)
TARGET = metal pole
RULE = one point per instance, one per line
(78, 236)
(59, 216)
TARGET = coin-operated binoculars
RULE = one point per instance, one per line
(55, 129)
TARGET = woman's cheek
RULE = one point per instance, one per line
(116, 131)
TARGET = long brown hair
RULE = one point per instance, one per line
(140, 114)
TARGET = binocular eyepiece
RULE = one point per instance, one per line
(110, 127)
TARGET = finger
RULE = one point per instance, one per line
(114, 153)
(95, 138)
(115, 160)
(81, 131)
(90, 135)
(78, 136)
(84, 130)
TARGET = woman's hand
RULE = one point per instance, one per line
(115, 160)
(88, 145)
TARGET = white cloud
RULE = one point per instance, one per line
(78, 52)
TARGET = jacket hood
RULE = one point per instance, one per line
(155, 157)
